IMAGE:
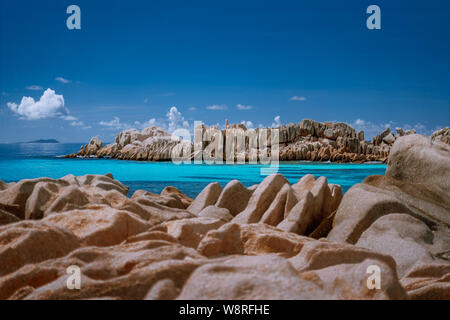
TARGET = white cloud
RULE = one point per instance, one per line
(247, 124)
(50, 105)
(77, 124)
(192, 108)
(176, 120)
(69, 118)
(277, 122)
(243, 107)
(370, 129)
(63, 80)
(167, 94)
(150, 123)
(115, 123)
(297, 98)
(80, 124)
(217, 107)
(34, 87)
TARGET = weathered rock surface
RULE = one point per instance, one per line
(249, 278)
(405, 238)
(172, 191)
(428, 281)
(216, 213)
(189, 232)
(151, 143)
(307, 140)
(272, 277)
(250, 239)
(405, 214)
(234, 197)
(31, 242)
(206, 197)
(442, 135)
(261, 199)
(99, 225)
(263, 242)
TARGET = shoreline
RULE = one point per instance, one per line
(93, 157)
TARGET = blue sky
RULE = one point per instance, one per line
(132, 61)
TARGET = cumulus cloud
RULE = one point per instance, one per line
(217, 107)
(69, 118)
(243, 107)
(149, 123)
(34, 87)
(62, 80)
(80, 124)
(297, 98)
(247, 124)
(115, 123)
(371, 129)
(77, 123)
(50, 105)
(277, 122)
(174, 120)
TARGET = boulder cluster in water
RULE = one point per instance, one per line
(308, 140)
(269, 241)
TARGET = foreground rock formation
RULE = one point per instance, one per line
(405, 214)
(308, 140)
(270, 241)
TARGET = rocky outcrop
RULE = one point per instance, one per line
(151, 246)
(307, 140)
(442, 135)
(405, 214)
(281, 241)
(151, 143)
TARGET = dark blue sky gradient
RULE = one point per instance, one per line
(135, 59)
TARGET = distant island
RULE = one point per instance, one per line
(42, 141)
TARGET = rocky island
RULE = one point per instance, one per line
(274, 240)
(308, 140)
(42, 141)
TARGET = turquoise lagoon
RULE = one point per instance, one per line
(26, 161)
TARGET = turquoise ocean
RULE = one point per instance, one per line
(33, 160)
